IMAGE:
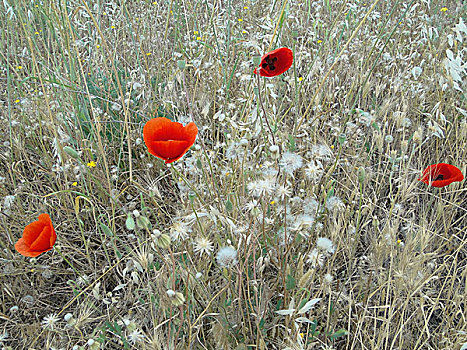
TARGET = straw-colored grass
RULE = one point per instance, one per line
(333, 243)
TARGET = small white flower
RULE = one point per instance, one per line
(315, 258)
(136, 336)
(251, 205)
(328, 278)
(290, 162)
(203, 245)
(170, 293)
(179, 231)
(314, 171)
(283, 191)
(325, 244)
(227, 257)
(49, 321)
(261, 188)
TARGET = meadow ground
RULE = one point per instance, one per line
(298, 223)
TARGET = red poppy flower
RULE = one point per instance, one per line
(441, 174)
(275, 62)
(168, 140)
(38, 237)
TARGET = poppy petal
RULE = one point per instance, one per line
(32, 231)
(22, 248)
(169, 149)
(42, 242)
(275, 63)
(163, 129)
(168, 140)
(38, 237)
(441, 174)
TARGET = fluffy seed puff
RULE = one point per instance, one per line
(226, 257)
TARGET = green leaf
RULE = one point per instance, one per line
(290, 282)
(340, 333)
(292, 145)
(228, 206)
(107, 231)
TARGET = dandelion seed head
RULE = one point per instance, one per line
(335, 204)
(14, 309)
(235, 151)
(321, 152)
(310, 206)
(261, 188)
(227, 257)
(274, 148)
(328, 278)
(325, 245)
(290, 162)
(283, 238)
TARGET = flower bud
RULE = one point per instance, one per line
(361, 175)
(71, 152)
(178, 299)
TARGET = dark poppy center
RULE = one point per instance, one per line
(439, 177)
(269, 62)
